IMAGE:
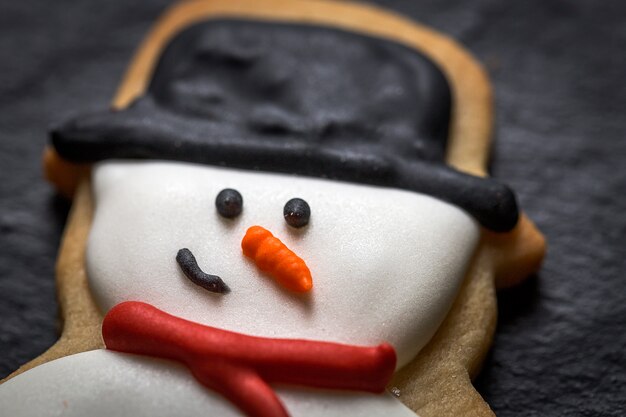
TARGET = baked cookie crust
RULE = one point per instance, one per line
(438, 381)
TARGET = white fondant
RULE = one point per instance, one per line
(386, 266)
(102, 384)
(386, 263)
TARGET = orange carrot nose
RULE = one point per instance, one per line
(272, 256)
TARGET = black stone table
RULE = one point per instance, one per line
(558, 69)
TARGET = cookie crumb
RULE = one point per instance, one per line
(395, 391)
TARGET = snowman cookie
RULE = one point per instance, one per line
(285, 213)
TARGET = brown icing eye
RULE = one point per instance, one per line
(229, 203)
(297, 212)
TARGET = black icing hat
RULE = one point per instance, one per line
(298, 99)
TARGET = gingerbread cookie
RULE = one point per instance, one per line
(286, 213)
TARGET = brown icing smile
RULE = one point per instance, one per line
(190, 268)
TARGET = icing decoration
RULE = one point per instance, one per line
(297, 212)
(190, 268)
(229, 203)
(240, 367)
(410, 256)
(115, 384)
(274, 257)
(246, 94)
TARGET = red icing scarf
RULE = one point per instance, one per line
(241, 367)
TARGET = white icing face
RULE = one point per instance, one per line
(386, 264)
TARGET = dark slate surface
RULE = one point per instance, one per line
(558, 69)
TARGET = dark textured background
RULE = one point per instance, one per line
(558, 69)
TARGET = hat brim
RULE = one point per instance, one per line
(147, 131)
